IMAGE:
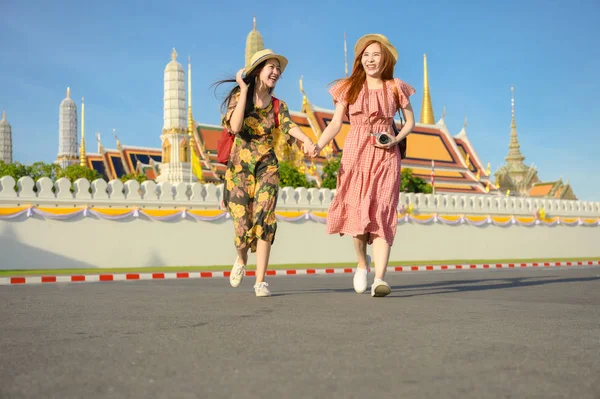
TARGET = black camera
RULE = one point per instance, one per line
(382, 138)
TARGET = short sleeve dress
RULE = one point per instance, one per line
(252, 175)
(368, 181)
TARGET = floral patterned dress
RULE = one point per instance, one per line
(252, 176)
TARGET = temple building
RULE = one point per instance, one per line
(254, 43)
(6, 148)
(67, 132)
(517, 179)
(456, 164)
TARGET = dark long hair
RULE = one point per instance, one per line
(250, 80)
(355, 82)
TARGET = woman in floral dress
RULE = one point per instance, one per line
(368, 185)
(252, 176)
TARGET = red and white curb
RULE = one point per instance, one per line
(102, 277)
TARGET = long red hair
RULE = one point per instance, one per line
(356, 81)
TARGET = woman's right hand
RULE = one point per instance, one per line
(240, 80)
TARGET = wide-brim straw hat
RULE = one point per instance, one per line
(362, 43)
(264, 55)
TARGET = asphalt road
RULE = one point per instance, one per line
(469, 334)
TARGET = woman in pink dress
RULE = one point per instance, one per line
(368, 182)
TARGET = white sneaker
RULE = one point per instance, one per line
(360, 277)
(260, 289)
(237, 274)
(380, 288)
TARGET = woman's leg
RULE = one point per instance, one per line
(360, 246)
(242, 255)
(263, 252)
(265, 222)
(239, 206)
(359, 281)
(381, 256)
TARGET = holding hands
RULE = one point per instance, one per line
(310, 148)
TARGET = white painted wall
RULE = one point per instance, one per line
(87, 241)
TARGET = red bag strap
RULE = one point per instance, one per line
(276, 110)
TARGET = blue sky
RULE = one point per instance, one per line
(113, 53)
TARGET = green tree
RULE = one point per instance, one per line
(289, 176)
(15, 169)
(330, 170)
(42, 169)
(413, 184)
(74, 172)
(132, 176)
(409, 182)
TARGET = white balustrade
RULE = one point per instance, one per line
(209, 195)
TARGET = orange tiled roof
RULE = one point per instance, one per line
(425, 143)
(540, 190)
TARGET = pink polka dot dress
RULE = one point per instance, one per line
(368, 182)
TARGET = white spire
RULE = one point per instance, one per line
(174, 97)
(5, 140)
(68, 149)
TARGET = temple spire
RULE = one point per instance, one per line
(190, 117)
(345, 55)
(254, 42)
(514, 148)
(3, 115)
(117, 138)
(82, 158)
(426, 107)
(68, 92)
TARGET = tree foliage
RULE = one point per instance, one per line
(413, 184)
(74, 172)
(289, 176)
(132, 176)
(409, 182)
(15, 169)
(330, 170)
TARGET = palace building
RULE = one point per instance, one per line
(457, 166)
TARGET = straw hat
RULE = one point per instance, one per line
(264, 55)
(361, 44)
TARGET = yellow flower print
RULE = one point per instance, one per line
(238, 210)
(251, 122)
(230, 184)
(263, 149)
(263, 197)
(258, 230)
(259, 130)
(270, 219)
(251, 186)
(237, 169)
(237, 241)
(228, 175)
(246, 155)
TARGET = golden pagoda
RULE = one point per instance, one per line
(254, 42)
(426, 107)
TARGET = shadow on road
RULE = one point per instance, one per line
(449, 287)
